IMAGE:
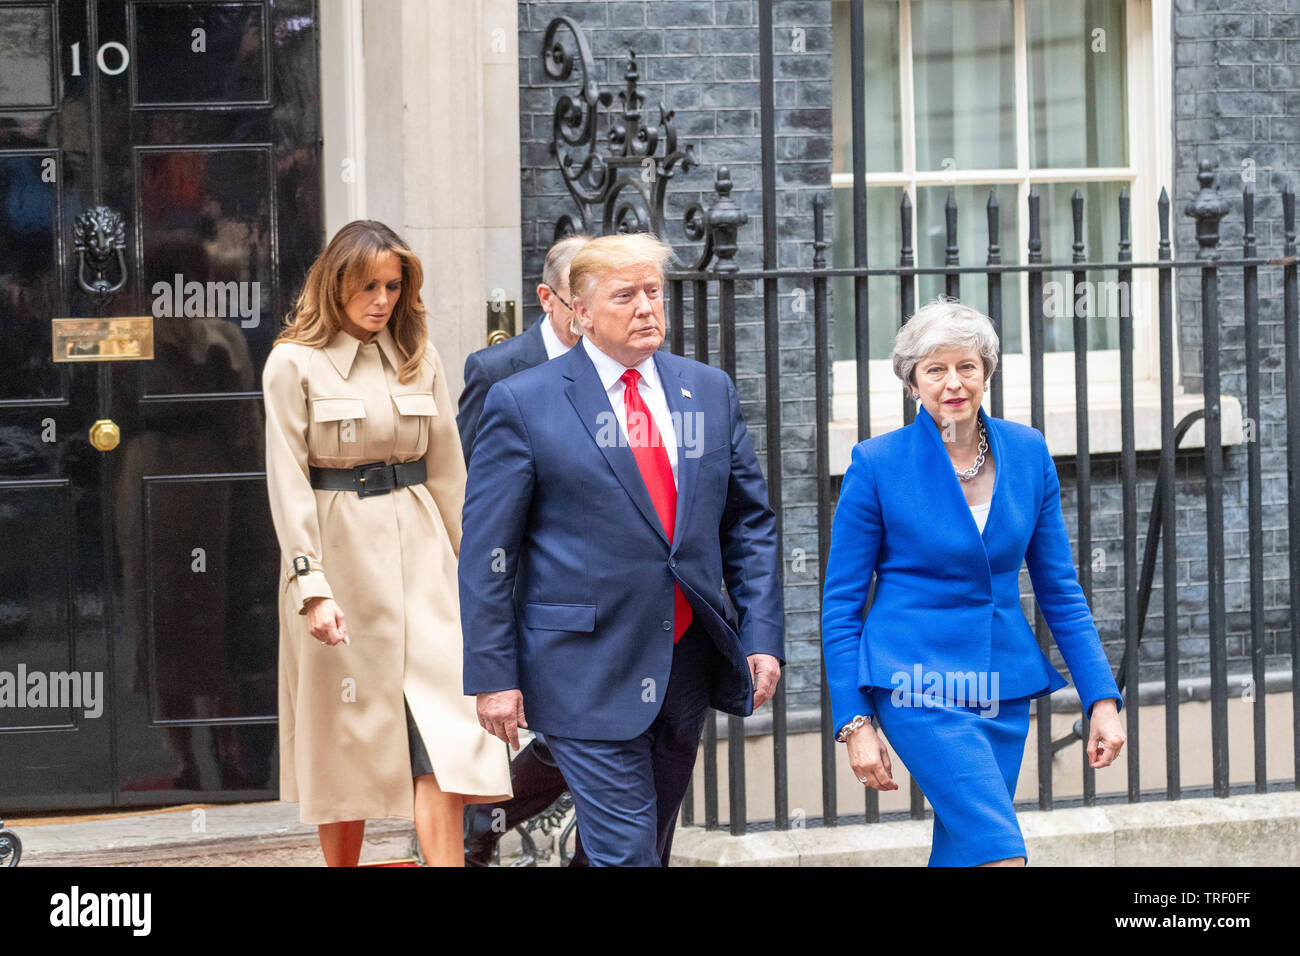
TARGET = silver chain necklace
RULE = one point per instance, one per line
(974, 469)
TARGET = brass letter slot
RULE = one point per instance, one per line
(120, 339)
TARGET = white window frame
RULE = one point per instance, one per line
(1149, 85)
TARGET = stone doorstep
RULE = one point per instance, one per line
(1248, 830)
(248, 834)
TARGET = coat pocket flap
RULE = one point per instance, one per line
(561, 617)
(416, 403)
(337, 409)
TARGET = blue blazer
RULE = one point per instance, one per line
(566, 574)
(948, 597)
(486, 367)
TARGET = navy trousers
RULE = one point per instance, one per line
(627, 793)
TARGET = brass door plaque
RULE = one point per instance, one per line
(121, 339)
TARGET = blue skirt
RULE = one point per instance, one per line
(966, 761)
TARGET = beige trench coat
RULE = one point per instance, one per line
(389, 561)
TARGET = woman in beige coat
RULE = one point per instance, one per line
(370, 644)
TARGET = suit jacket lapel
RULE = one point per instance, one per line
(591, 402)
(686, 418)
(995, 449)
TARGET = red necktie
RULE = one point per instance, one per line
(657, 473)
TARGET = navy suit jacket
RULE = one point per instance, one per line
(948, 597)
(566, 574)
(486, 367)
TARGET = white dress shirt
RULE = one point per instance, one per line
(650, 389)
(554, 347)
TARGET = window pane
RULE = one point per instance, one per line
(963, 66)
(1101, 243)
(973, 246)
(880, 83)
(1078, 100)
(26, 61)
(231, 69)
(882, 291)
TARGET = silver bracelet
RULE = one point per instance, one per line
(851, 726)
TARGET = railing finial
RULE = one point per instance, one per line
(820, 243)
(1207, 209)
(1288, 219)
(723, 221)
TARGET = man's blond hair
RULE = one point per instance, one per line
(607, 254)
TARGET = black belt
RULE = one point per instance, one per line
(368, 480)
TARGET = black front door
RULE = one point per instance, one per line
(157, 160)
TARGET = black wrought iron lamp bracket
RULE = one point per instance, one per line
(623, 188)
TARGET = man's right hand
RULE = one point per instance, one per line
(501, 713)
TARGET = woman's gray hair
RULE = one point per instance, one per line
(944, 323)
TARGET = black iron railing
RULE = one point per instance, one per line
(1206, 209)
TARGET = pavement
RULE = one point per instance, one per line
(1244, 830)
(1247, 830)
(248, 834)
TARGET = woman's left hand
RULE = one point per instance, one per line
(1107, 734)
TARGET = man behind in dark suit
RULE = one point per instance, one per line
(553, 334)
(612, 494)
(537, 783)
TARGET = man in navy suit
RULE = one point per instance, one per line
(612, 495)
(536, 781)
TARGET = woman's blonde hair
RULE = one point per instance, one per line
(339, 272)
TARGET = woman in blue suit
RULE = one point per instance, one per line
(944, 512)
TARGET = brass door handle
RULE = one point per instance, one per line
(105, 435)
(500, 320)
